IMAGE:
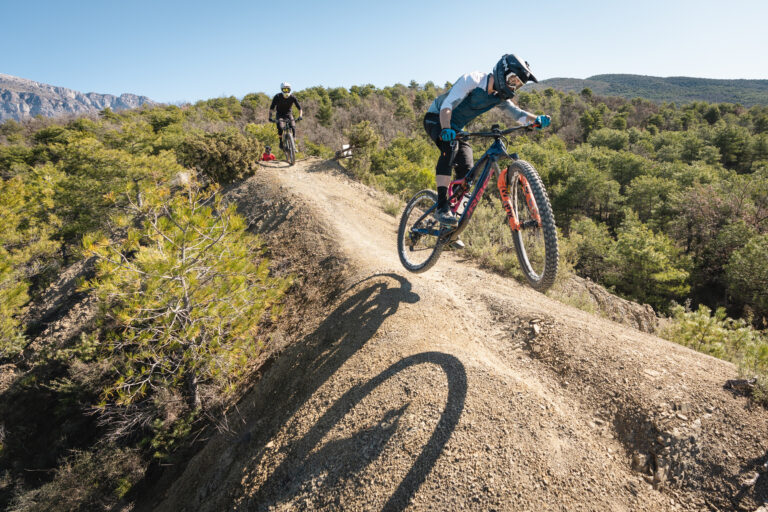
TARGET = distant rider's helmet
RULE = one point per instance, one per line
(268, 149)
(506, 74)
(286, 88)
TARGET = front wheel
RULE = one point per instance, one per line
(536, 240)
(418, 237)
(290, 149)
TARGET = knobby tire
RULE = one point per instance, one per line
(540, 280)
(291, 149)
(428, 246)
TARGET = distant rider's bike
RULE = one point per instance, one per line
(421, 238)
(289, 145)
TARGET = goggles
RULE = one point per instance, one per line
(286, 89)
(514, 82)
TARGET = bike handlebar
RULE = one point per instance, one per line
(495, 132)
(297, 120)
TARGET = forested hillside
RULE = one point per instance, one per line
(664, 204)
(674, 89)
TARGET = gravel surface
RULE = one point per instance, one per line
(457, 389)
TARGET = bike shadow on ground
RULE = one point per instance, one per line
(303, 462)
(307, 366)
(275, 164)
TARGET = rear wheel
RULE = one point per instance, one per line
(418, 237)
(535, 242)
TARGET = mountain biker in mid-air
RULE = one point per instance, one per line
(472, 95)
(283, 102)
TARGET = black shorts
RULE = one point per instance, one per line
(282, 122)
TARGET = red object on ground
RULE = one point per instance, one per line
(267, 157)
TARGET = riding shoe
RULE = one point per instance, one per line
(457, 244)
(446, 216)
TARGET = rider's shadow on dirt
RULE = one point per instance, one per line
(304, 368)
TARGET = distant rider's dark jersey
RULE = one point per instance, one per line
(283, 104)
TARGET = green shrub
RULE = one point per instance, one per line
(747, 274)
(593, 243)
(183, 297)
(646, 266)
(87, 480)
(405, 180)
(99, 180)
(225, 156)
(265, 133)
(612, 139)
(723, 337)
(318, 150)
(27, 250)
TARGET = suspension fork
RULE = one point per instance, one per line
(506, 200)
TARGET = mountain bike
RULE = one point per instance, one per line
(421, 238)
(289, 145)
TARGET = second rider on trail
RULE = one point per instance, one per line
(472, 95)
(283, 102)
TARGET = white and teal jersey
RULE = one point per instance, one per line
(468, 98)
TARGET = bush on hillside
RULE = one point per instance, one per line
(646, 266)
(182, 298)
(27, 251)
(225, 156)
(716, 334)
(747, 275)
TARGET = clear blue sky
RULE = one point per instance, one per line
(177, 51)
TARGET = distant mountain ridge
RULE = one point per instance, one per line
(677, 89)
(21, 99)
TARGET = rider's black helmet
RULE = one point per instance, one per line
(510, 64)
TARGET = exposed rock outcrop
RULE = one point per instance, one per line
(21, 99)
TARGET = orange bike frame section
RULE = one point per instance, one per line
(506, 201)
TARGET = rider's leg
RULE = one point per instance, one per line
(442, 170)
(293, 127)
(463, 160)
(280, 125)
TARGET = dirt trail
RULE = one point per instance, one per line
(458, 389)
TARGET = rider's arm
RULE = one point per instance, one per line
(272, 107)
(296, 102)
(522, 116)
(445, 118)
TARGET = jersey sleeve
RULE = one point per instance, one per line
(274, 103)
(519, 114)
(296, 102)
